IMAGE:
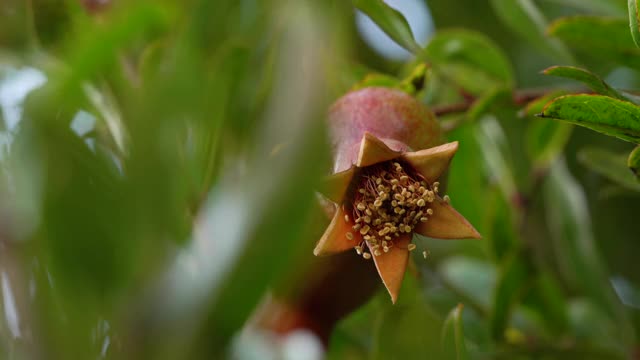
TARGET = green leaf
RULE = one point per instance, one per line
(547, 299)
(513, 280)
(453, 339)
(603, 38)
(600, 113)
(574, 245)
(607, 7)
(472, 278)
(536, 106)
(546, 140)
(381, 80)
(96, 49)
(408, 328)
(470, 59)
(488, 102)
(391, 21)
(633, 162)
(633, 21)
(524, 18)
(502, 236)
(412, 84)
(497, 160)
(610, 165)
(588, 78)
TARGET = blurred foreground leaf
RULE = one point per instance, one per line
(600, 113)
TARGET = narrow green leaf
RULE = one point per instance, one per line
(390, 20)
(524, 18)
(412, 84)
(502, 236)
(545, 141)
(473, 61)
(633, 21)
(408, 329)
(575, 250)
(497, 160)
(603, 38)
(474, 279)
(513, 280)
(488, 102)
(600, 113)
(381, 80)
(605, 7)
(633, 162)
(610, 165)
(593, 81)
(536, 106)
(546, 297)
(453, 339)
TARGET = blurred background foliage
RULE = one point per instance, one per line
(158, 161)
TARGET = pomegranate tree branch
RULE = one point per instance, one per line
(520, 97)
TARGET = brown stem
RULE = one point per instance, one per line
(520, 97)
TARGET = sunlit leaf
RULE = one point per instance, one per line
(610, 165)
(524, 18)
(600, 113)
(391, 21)
(584, 76)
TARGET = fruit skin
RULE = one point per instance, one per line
(399, 120)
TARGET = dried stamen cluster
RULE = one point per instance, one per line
(390, 201)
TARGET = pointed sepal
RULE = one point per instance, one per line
(393, 264)
(335, 186)
(433, 162)
(373, 151)
(336, 238)
(446, 223)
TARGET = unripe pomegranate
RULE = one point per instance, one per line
(387, 159)
(391, 115)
